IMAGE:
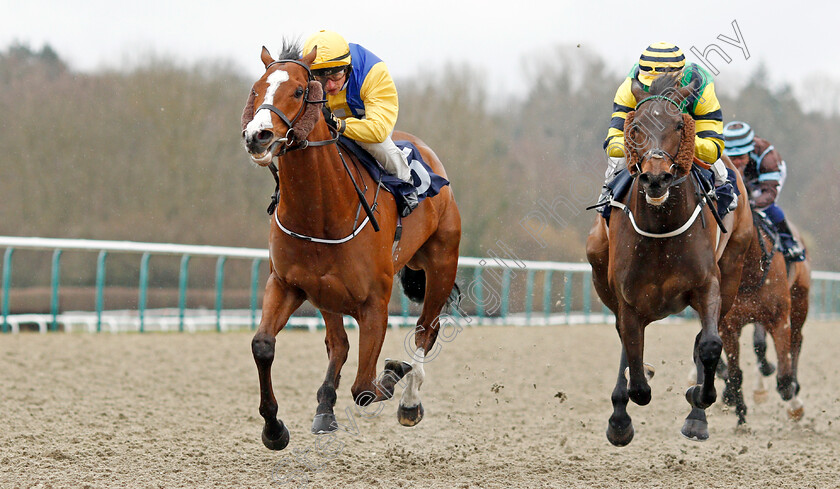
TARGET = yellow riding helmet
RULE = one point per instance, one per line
(333, 52)
(659, 58)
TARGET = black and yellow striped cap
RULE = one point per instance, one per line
(659, 58)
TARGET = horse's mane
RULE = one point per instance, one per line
(291, 49)
(663, 84)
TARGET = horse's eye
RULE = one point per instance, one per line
(680, 125)
(299, 92)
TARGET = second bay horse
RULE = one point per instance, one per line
(777, 299)
(656, 258)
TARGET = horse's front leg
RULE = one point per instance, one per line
(373, 323)
(279, 302)
(733, 394)
(765, 367)
(620, 427)
(337, 348)
(631, 328)
(707, 350)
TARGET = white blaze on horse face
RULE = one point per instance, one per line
(262, 118)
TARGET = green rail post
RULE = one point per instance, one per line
(404, 306)
(547, 296)
(144, 281)
(56, 279)
(529, 295)
(7, 283)
(255, 278)
(567, 302)
(826, 292)
(587, 299)
(479, 292)
(183, 283)
(100, 288)
(220, 284)
(505, 292)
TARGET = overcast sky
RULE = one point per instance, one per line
(794, 40)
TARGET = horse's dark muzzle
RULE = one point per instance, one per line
(655, 186)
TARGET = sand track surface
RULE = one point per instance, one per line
(505, 407)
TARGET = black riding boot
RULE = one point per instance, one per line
(791, 248)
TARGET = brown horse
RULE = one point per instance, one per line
(329, 257)
(778, 301)
(657, 258)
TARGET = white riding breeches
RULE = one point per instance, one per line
(721, 175)
(389, 155)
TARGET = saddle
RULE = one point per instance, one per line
(425, 181)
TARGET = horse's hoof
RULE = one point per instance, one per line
(324, 423)
(620, 437)
(796, 414)
(278, 443)
(796, 410)
(410, 416)
(760, 396)
(695, 430)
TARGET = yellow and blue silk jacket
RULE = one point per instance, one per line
(368, 101)
(702, 105)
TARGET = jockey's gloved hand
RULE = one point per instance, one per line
(333, 121)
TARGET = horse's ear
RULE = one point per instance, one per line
(683, 93)
(265, 56)
(309, 58)
(637, 90)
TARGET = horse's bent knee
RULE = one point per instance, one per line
(262, 346)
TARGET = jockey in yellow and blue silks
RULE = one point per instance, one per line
(362, 98)
(663, 58)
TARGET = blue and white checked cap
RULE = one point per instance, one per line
(738, 137)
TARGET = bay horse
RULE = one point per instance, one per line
(777, 300)
(329, 258)
(656, 258)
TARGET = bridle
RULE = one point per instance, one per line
(658, 152)
(288, 141)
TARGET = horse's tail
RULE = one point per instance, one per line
(414, 286)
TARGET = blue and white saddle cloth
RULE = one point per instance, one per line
(427, 182)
